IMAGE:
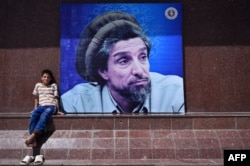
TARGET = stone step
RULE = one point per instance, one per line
(127, 140)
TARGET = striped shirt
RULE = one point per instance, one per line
(46, 94)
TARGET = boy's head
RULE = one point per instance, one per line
(47, 77)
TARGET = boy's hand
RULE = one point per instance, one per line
(60, 113)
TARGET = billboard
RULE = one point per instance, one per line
(160, 22)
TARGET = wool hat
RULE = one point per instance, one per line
(93, 37)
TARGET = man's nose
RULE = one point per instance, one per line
(137, 68)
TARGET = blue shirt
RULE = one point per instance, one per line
(167, 96)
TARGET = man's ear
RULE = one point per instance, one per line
(103, 74)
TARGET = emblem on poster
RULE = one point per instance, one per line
(171, 13)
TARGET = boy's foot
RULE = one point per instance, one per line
(28, 144)
(31, 141)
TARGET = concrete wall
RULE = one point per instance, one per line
(216, 52)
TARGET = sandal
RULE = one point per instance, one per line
(39, 160)
(27, 160)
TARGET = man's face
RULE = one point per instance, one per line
(127, 73)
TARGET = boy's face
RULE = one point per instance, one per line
(46, 78)
(128, 67)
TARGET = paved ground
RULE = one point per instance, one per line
(211, 162)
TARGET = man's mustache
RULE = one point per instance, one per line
(137, 79)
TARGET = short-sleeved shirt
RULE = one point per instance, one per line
(46, 94)
(166, 96)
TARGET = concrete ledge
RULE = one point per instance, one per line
(147, 121)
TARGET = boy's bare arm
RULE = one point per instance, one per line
(58, 112)
(36, 102)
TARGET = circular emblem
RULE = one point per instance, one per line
(171, 13)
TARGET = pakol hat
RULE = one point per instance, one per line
(93, 37)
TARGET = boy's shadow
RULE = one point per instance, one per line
(50, 129)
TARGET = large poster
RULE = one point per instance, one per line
(143, 67)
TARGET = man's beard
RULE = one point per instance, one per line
(135, 94)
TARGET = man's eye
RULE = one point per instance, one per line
(123, 61)
(144, 58)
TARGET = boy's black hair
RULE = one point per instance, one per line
(49, 72)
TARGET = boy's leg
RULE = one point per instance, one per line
(31, 140)
(35, 116)
(45, 114)
(45, 118)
